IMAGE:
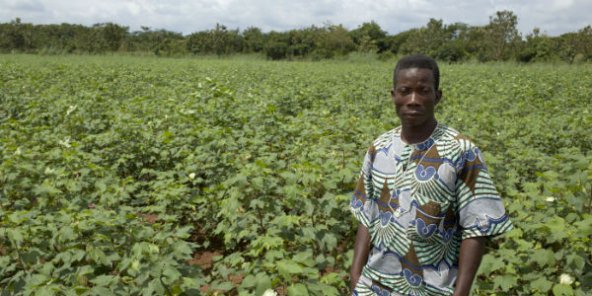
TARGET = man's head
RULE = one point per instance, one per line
(416, 91)
(421, 62)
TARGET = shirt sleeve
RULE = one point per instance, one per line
(480, 208)
(362, 204)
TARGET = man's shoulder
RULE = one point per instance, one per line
(457, 139)
(386, 138)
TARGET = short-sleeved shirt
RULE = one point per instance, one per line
(418, 202)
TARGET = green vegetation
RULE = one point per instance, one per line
(499, 40)
(144, 176)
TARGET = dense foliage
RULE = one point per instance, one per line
(499, 40)
(138, 176)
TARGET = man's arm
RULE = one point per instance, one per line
(361, 251)
(471, 252)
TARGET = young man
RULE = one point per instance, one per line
(425, 200)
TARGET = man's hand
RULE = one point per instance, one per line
(471, 252)
(361, 251)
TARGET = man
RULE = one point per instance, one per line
(425, 200)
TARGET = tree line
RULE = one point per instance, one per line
(499, 40)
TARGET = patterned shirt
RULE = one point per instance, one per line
(418, 202)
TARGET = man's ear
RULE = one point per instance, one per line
(438, 96)
(392, 93)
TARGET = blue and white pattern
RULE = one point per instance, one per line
(418, 202)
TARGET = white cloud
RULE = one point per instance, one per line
(186, 16)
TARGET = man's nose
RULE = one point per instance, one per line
(414, 99)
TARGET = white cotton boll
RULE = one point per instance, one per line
(192, 176)
(566, 279)
(550, 199)
(71, 109)
(269, 292)
(65, 142)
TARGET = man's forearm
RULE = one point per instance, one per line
(471, 252)
(361, 251)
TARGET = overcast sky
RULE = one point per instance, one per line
(553, 17)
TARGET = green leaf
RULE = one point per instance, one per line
(541, 284)
(102, 291)
(223, 286)
(330, 241)
(543, 257)
(557, 229)
(171, 273)
(154, 287)
(584, 227)
(184, 232)
(32, 256)
(15, 236)
(182, 249)
(104, 280)
(263, 283)
(297, 290)
(78, 255)
(46, 188)
(37, 279)
(322, 289)
(64, 257)
(309, 232)
(5, 261)
(191, 283)
(248, 282)
(304, 258)
(287, 268)
(67, 234)
(576, 262)
(489, 264)
(505, 282)
(331, 278)
(45, 291)
(562, 290)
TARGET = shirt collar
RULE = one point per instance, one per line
(427, 143)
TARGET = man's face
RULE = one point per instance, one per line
(414, 96)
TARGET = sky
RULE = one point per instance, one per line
(552, 17)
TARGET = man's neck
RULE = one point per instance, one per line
(418, 134)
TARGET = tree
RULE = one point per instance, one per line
(537, 48)
(502, 35)
(437, 40)
(253, 40)
(225, 42)
(113, 35)
(56, 38)
(159, 42)
(369, 37)
(333, 40)
(16, 36)
(427, 39)
(219, 41)
(394, 43)
(277, 45)
(576, 47)
(455, 48)
(302, 42)
(584, 44)
(166, 43)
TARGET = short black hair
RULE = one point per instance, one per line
(418, 61)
